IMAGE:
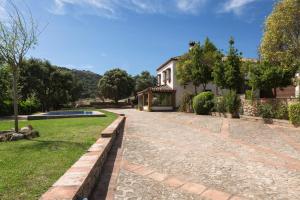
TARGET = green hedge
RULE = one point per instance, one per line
(203, 103)
(294, 113)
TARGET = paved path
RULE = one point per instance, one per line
(184, 156)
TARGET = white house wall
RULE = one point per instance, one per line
(182, 90)
(171, 66)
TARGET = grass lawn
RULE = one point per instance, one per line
(29, 167)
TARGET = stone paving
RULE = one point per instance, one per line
(184, 156)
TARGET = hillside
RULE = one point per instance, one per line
(89, 81)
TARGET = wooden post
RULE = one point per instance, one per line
(149, 100)
(174, 99)
(143, 100)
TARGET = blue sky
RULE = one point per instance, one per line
(138, 35)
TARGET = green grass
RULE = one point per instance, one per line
(29, 167)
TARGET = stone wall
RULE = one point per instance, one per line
(79, 181)
(250, 107)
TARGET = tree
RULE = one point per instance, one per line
(281, 40)
(183, 69)
(51, 85)
(61, 84)
(116, 84)
(196, 66)
(268, 76)
(144, 81)
(4, 83)
(211, 55)
(227, 73)
(17, 36)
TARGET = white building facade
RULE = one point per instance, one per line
(166, 76)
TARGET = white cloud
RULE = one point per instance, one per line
(236, 6)
(190, 6)
(101, 7)
(113, 8)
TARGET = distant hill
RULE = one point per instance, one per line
(89, 80)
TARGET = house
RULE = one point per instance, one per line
(168, 93)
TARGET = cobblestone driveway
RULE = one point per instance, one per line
(184, 156)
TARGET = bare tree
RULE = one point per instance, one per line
(18, 34)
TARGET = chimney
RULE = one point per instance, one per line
(192, 44)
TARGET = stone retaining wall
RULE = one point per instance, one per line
(278, 122)
(78, 182)
(250, 107)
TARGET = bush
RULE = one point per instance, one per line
(220, 105)
(281, 111)
(186, 103)
(266, 111)
(203, 103)
(249, 95)
(6, 108)
(233, 103)
(29, 106)
(294, 113)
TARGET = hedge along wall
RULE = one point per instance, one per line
(250, 107)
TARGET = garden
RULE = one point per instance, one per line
(30, 167)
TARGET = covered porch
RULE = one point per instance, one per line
(161, 98)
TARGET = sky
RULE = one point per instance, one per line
(138, 35)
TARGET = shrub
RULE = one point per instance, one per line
(294, 113)
(266, 111)
(29, 106)
(186, 103)
(249, 95)
(281, 111)
(220, 105)
(203, 103)
(6, 108)
(233, 103)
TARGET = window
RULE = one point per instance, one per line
(162, 99)
(159, 80)
(169, 75)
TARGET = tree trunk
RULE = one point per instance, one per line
(204, 87)
(15, 99)
(195, 90)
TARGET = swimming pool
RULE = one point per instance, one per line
(80, 112)
(66, 114)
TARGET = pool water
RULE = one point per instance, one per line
(66, 114)
(69, 113)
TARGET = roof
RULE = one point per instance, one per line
(167, 62)
(162, 88)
